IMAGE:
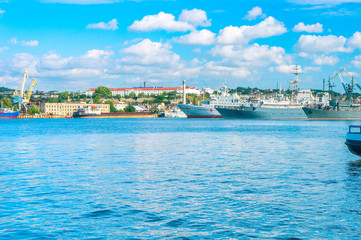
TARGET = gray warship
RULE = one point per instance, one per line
(344, 109)
(275, 109)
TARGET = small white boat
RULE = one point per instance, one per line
(353, 139)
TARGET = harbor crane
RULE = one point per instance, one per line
(21, 98)
(348, 87)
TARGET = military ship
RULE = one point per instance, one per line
(347, 109)
(276, 108)
(266, 111)
(207, 109)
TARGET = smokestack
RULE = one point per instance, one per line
(184, 91)
(144, 84)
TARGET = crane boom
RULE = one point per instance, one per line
(30, 91)
(23, 83)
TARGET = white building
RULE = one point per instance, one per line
(146, 91)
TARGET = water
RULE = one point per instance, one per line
(177, 179)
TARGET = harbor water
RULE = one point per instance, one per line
(177, 179)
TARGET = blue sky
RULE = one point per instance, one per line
(74, 45)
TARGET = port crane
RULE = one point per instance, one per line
(21, 98)
(348, 87)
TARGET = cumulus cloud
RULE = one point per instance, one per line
(327, 44)
(254, 13)
(54, 61)
(150, 53)
(355, 40)
(203, 37)
(111, 25)
(242, 35)
(31, 43)
(25, 60)
(10, 81)
(357, 61)
(196, 17)
(219, 69)
(287, 69)
(325, 60)
(160, 21)
(301, 27)
(257, 55)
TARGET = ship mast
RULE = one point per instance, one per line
(294, 84)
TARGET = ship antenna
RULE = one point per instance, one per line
(297, 71)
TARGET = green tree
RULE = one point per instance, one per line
(132, 95)
(53, 100)
(6, 102)
(112, 108)
(129, 108)
(155, 109)
(63, 96)
(102, 92)
(34, 109)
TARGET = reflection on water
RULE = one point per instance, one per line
(177, 178)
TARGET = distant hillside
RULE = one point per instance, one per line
(5, 89)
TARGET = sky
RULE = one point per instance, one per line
(73, 45)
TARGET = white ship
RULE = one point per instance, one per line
(87, 111)
(207, 109)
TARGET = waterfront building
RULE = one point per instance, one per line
(67, 109)
(147, 91)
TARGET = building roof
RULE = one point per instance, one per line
(147, 88)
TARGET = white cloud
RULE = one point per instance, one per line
(161, 21)
(325, 60)
(322, 2)
(203, 37)
(287, 69)
(31, 43)
(254, 13)
(196, 17)
(340, 12)
(311, 69)
(85, 2)
(10, 81)
(150, 53)
(2, 11)
(242, 35)
(218, 69)
(357, 61)
(327, 44)
(301, 27)
(257, 55)
(25, 60)
(355, 40)
(4, 49)
(111, 25)
(54, 61)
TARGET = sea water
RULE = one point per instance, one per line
(177, 179)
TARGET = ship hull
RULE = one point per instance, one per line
(353, 141)
(320, 114)
(10, 115)
(120, 115)
(262, 113)
(193, 111)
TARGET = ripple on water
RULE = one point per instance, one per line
(177, 178)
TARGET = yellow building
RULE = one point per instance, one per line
(67, 109)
